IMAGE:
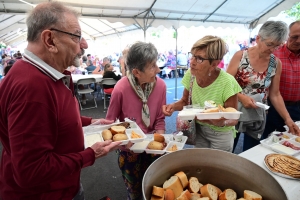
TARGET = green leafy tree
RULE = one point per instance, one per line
(294, 11)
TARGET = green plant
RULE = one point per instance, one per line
(294, 11)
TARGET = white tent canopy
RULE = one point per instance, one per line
(101, 18)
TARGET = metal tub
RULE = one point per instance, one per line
(222, 169)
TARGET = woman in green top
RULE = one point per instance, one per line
(210, 83)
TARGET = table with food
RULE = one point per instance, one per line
(268, 171)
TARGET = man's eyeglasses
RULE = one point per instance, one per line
(75, 38)
(199, 59)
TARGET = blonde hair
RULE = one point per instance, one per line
(215, 47)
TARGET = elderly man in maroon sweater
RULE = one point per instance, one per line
(40, 124)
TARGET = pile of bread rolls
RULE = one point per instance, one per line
(115, 133)
(158, 142)
(179, 187)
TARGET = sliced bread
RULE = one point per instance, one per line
(227, 194)
(195, 196)
(194, 185)
(185, 195)
(158, 191)
(169, 194)
(183, 178)
(117, 129)
(250, 195)
(174, 184)
(218, 190)
(210, 191)
(153, 197)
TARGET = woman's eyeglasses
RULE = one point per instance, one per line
(271, 46)
(199, 59)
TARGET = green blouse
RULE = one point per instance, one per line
(219, 91)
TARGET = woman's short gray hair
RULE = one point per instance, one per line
(276, 31)
(139, 55)
(44, 16)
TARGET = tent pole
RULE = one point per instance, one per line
(175, 73)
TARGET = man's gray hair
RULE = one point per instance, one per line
(139, 55)
(276, 31)
(44, 16)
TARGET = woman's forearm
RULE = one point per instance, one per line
(278, 103)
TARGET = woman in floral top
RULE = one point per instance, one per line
(251, 69)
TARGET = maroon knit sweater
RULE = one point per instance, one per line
(42, 138)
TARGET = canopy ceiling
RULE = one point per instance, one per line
(106, 17)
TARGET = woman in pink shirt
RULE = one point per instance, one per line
(138, 96)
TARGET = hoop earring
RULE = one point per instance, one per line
(209, 74)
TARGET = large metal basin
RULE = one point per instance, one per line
(223, 169)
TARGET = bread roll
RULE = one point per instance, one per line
(120, 136)
(106, 134)
(169, 194)
(218, 190)
(156, 198)
(210, 191)
(227, 194)
(125, 124)
(297, 139)
(158, 137)
(250, 195)
(203, 198)
(117, 129)
(174, 184)
(242, 199)
(183, 179)
(155, 145)
(158, 191)
(211, 110)
(221, 108)
(195, 196)
(229, 109)
(194, 185)
(185, 195)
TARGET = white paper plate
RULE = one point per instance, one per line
(142, 146)
(189, 114)
(261, 105)
(218, 115)
(88, 131)
(179, 146)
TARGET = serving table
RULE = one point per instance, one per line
(257, 155)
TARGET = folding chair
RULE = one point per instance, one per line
(86, 82)
(107, 81)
